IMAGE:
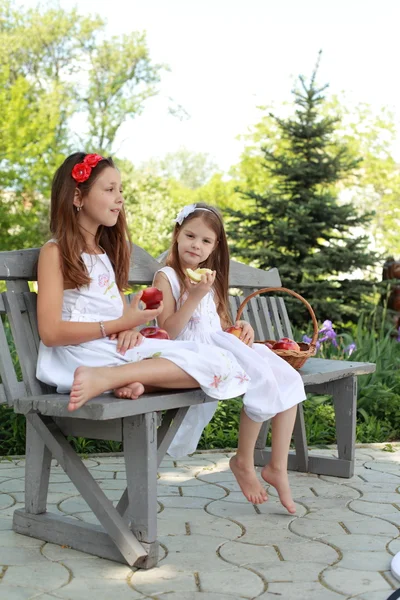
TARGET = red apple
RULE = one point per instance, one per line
(152, 297)
(237, 331)
(286, 344)
(155, 333)
(269, 345)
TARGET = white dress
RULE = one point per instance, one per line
(216, 369)
(272, 385)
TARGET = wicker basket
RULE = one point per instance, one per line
(294, 357)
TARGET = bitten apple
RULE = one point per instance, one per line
(152, 297)
(155, 333)
(286, 344)
(195, 276)
(237, 331)
(269, 345)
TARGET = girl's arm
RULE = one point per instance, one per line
(172, 320)
(56, 332)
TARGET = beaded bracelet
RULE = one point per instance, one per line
(102, 329)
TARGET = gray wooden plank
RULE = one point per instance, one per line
(107, 407)
(262, 436)
(12, 387)
(24, 343)
(140, 451)
(274, 312)
(37, 471)
(344, 396)
(241, 275)
(320, 465)
(255, 320)
(97, 430)
(80, 476)
(284, 318)
(31, 308)
(300, 440)
(267, 325)
(323, 370)
(165, 434)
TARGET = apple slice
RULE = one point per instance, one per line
(196, 275)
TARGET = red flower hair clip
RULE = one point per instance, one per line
(81, 172)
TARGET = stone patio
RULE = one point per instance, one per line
(215, 545)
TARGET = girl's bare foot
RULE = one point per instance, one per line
(248, 481)
(131, 391)
(280, 481)
(88, 383)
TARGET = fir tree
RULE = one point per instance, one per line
(299, 224)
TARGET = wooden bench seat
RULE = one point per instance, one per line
(128, 531)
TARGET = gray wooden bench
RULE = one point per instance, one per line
(128, 531)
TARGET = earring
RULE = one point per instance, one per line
(78, 208)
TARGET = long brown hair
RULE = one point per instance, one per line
(65, 229)
(217, 261)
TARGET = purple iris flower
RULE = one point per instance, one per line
(326, 326)
(398, 335)
(350, 348)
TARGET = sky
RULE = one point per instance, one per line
(228, 57)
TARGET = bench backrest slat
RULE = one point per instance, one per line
(10, 388)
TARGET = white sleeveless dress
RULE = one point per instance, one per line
(272, 385)
(216, 369)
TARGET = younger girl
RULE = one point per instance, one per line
(88, 342)
(199, 312)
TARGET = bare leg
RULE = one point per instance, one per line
(92, 381)
(242, 464)
(275, 472)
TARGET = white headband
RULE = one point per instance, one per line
(186, 211)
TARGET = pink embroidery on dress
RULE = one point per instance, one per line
(194, 320)
(216, 381)
(242, 377)
(104, 279)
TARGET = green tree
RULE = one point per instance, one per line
(191, 169)
(297, 221)
(63, 86)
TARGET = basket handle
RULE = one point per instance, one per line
(295, 295)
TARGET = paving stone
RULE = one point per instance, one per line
(5, 523)
(6, 500)
(264, 536)
(314, 529)
(338, 580)
(89, 567)
(14, 555)
(299, 591)
(204, 491)
(241, 554)
(381, 497)
(13, 592)
(377, 595)
(287, 571)
(375, 509)
(199, 596)
(365, 561)
(336, 514)
(12, 472)
(99, 589)
(38, 576)
(168, 490)
(164, 579)
(358, 542)
(384, 466)
(371, 526)
(241, 582)
(11, 539)
(394, 546)
(185, 501)
(308, 551)
(12, 485)
(237, 510)
(56, 553)
(192, 552)
(218, 477)
(199, 523)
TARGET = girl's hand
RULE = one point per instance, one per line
(134, 316)
(247, 335)
(201, 289)
(126, 340)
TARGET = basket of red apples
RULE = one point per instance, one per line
(295, 353)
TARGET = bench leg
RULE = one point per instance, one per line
(140, 450)
(344, 394)
(37, 471)
(111, 540)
